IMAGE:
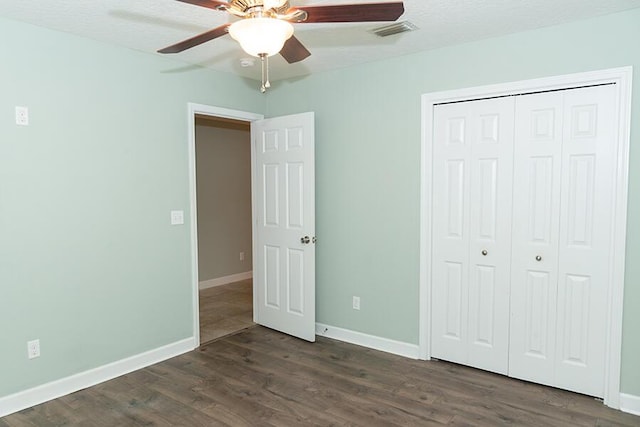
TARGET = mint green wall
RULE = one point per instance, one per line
(88, 261)
(368, 167)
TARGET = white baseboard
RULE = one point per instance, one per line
(630, 403)
(369, 341)
(225, 280)
(43, 393)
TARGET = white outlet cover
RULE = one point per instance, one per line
(177, 217)
(33, 349)
(22, 116)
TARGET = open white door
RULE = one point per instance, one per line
(283, 191)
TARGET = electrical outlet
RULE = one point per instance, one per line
(356, 303)
(22, 116)
(241, 256)
(33, 349)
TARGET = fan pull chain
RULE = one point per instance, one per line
(265, 73)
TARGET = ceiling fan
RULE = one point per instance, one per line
(265, 28)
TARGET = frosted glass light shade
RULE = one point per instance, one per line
(261, 35)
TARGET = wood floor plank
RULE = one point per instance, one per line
(306, 382)
(232, 390)
(475, 381)
(260, 377)
(248, 377)
(305, 391)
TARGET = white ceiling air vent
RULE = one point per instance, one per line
(395, 28)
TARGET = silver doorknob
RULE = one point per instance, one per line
(304, 240)
(484, 252)
(538, 258)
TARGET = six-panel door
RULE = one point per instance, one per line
(284, 221)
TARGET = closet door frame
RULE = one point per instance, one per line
(621, 77)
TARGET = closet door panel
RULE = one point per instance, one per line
(450, 263)
(588, 158)
(491, 191)
(471, 222)
(536, 319)
(536, 212)
(523, 190)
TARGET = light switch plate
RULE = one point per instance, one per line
(177, 217)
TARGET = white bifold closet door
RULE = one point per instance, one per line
(472, 168)
(563, 196)
(522, 225)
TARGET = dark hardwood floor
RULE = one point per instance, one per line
(259, 377)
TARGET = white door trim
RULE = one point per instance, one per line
(208, 110)
(622, 78)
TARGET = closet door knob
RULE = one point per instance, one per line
(484, 252)
(538, 258)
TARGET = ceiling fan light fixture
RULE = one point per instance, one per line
(261, 36)
(273, 4)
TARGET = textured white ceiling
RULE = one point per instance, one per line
(149, 25)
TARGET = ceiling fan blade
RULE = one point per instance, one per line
(294, 51)
(196, 40)
(365, 12)
(211, 4)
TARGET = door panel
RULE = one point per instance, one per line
(271, 281)
(451, 237)
(471, 212)
(488, 192)
(537, 322)
(271, 196)
(455, 195)
(453, 306)
(295, 196)
(576, 320)
(482, 325)
(284, 269)
(536, 205)
(490, 201)
(295, 270)
(567, 195)
(588, 161)
(540, 199)
(581, 199)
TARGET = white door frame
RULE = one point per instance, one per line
(206, 110)
(622, 78)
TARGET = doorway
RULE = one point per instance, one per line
(223, 187)
(282, 149)
(221, 211)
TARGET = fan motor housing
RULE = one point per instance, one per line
(247, 5)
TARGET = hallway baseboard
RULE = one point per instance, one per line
(219, 281)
